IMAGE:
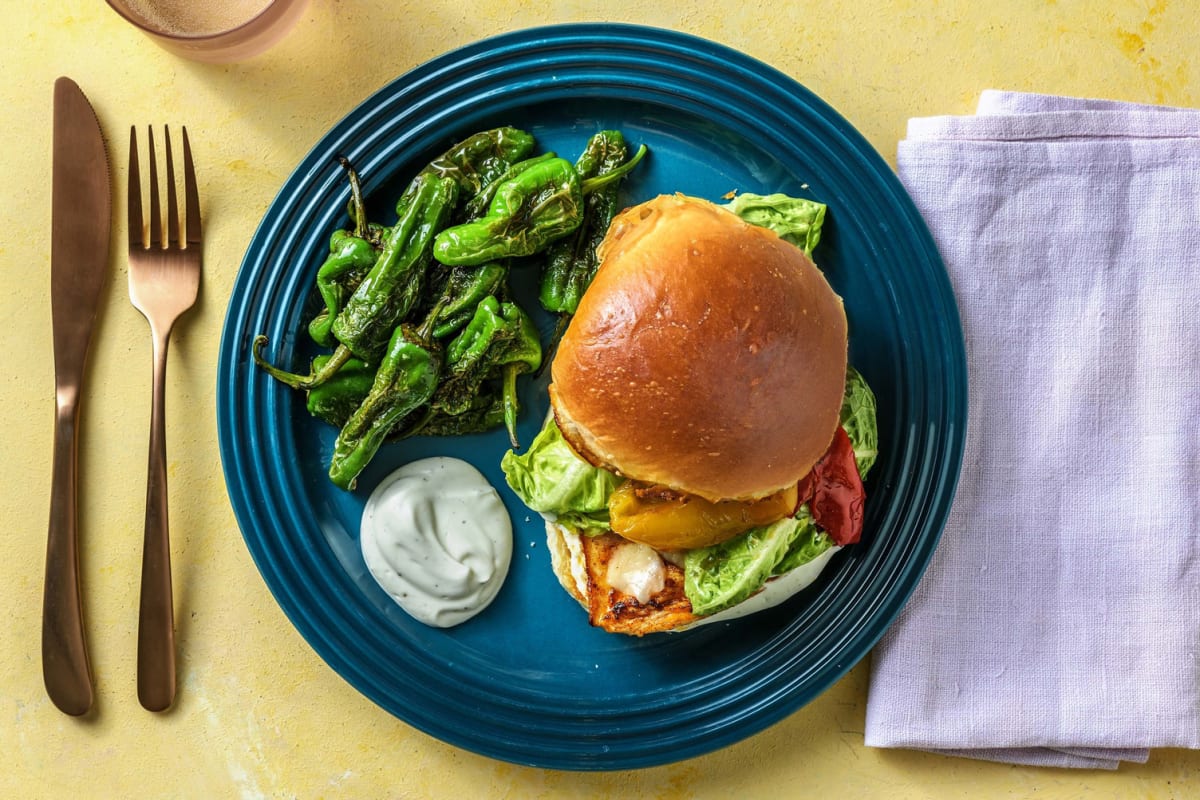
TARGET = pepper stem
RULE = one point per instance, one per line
(425, 332)
(358, 209)
(512, 405)
(600, 181)
(340, 356)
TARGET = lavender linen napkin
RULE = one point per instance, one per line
(1059, 621)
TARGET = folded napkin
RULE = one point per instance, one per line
(1059, 620)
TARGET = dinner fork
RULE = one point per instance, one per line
(164, 280)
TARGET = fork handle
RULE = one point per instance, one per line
(65, 665)
(156, 615)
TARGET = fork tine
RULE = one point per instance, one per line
(172, 199)
(137, 230)
(191, 196)
(155, 208)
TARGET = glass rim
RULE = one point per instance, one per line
(119, 7)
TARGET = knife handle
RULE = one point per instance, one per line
(65, 665)
(156, 610)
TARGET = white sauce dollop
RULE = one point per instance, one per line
(437, 538)
(637, 570)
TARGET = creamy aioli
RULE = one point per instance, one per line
(437, 538)
(637, 570)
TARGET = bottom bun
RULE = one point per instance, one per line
(581, 564)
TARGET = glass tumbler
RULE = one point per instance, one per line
(214, 31)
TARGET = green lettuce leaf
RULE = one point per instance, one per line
(725, 574)
(550, 478)
(794, 219)
(858, 419)
(807, 543)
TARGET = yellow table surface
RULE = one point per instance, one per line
(258, 713)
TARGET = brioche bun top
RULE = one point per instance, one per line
(708, 355)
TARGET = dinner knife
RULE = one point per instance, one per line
(79, 237)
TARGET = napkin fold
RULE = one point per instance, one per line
(1059, 620)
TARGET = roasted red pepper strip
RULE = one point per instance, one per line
(834, 492)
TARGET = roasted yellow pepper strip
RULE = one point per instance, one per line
(668, 520)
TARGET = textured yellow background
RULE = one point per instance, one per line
(259, 715)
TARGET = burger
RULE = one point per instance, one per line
(707, 440)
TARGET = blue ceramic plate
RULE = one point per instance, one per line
(528, 680)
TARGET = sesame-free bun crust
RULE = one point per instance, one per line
(708, 355)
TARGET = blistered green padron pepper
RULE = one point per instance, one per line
(461, 290)
(470, 165)
(390, 289)
(571, 262)
(540, 204)
(478, 205)
(499, 343)
(481, 159)
(336, 400)
(406, 379)
(350, 257)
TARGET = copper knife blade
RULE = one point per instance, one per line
(79, 239)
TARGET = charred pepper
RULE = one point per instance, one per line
(390, 289)
(336, 400)
(407, 377)
(469, 165)
(481, 159)
(350, 256)
(571, 262)
(499, 343)
(541, 203)
(393, 286)
(484, 414)
(460, 290)
(477, 206)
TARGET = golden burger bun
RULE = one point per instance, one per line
(707, 356)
